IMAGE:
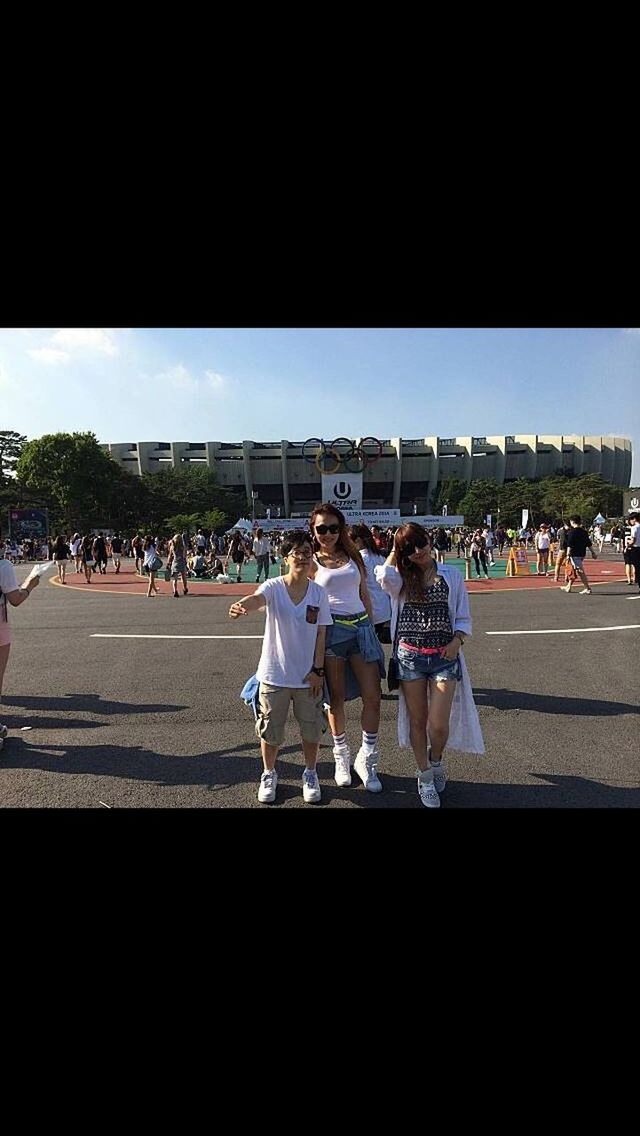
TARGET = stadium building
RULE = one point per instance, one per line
(397, 473)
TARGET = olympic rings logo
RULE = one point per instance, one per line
(341, 453)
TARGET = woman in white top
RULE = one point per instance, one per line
(76, 552)
(11, 592)
(429, 623)
(364, 541)
(542, 542)
(351, 642)
(151, 557)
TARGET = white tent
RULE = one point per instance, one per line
(599, 520)
(243, 524)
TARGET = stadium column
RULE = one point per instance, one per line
(247, 449)
(397, 472)
(467, 462)
(434, 472)
(500, 458)
(285, 476)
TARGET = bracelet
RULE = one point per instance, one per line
(459, 638)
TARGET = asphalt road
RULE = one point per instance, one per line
(127, 723)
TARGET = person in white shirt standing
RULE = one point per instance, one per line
(261, 551)
(634, 548)
(11, 592)
(291, 663)
(542, 542)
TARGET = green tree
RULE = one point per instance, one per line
(72, 475)
(189, 490)
(450, 493)
(11, 447)
(481, 497)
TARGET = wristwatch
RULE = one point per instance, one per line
(457, 635)
(318, 671)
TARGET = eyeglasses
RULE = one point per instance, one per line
(323, 529)
(300, 555)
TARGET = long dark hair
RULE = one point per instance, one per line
(344, 541)
(363, 533)
(404, 544)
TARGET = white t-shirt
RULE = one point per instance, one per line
(635, 536)
(8, 583)
(75, 546)
(261, 547)
(289, 638)
(343, 588)
(543, 540)
(380, 602)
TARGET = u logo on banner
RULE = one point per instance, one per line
(342, 490)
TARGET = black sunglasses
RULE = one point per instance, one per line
(322, 529)
(417, 544)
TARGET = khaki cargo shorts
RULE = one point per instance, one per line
(274, 709)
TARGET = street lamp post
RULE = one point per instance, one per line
(254, 495)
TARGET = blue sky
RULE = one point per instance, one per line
(201, 384)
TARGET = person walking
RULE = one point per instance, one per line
(100, 554)
(152, 564)
(261, 551)
(61, 555)
(430, 623)
(291, 667)
(489, 543)
(561, 551)
(86, 552)
(76, 552)
(479, 554)
(138, 552)
(440, 545)
(177, 562)
(578, 541)
(115, 551)
(354, 659)
(237, 553)
(10, 593)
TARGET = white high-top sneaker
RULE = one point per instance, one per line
(366, 766)
(342, 758)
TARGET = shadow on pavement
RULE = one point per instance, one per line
(241, 766)
(550, 704)
(92, 703)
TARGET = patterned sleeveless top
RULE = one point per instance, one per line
(426, 622)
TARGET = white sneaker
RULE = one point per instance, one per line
(342, 757)
(566, 588)
(428, 794)
(366, 766)
(310, 786)
(585, 592)
(439, 777)
(267, 787)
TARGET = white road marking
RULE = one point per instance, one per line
(105, 806)
(99, 636)
(569, 630)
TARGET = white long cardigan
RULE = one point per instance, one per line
(464, 725)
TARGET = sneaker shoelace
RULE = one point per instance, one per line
(310, 778)
(267, 780)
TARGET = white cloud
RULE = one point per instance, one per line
(632, 330)
(85, 339)
(178, 376)
(216, 380)
(49, 355)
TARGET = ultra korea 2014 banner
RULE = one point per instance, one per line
(343, 490)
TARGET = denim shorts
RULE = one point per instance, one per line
(342, 641)
(577, 561)
(412, 666)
